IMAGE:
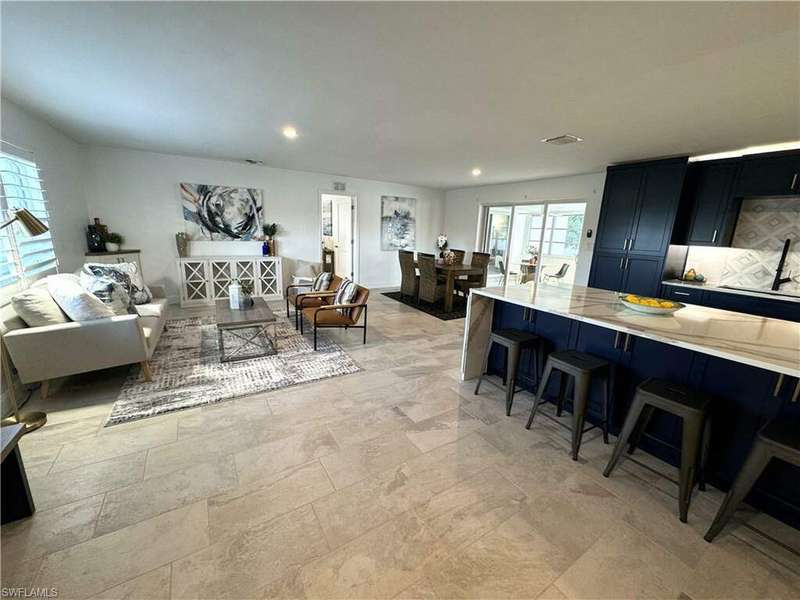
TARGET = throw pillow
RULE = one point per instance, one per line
(345, 295)
(134, 284)
(37, 308)
(304, 268)
(79, 304)
(321, 282)
(111, 293)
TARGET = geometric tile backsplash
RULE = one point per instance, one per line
(763, 226)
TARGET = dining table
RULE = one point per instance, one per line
(451, 272)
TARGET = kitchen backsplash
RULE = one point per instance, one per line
(763, 226)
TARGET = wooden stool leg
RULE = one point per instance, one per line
(548, 369)
(579, 402)
(630, 422)
(754, 464)
(690, 454)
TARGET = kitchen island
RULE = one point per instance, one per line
(749, 364)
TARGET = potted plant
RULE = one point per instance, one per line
(268, 247)
(113, 241)
(441, 244)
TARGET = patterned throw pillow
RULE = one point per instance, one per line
(138, 291)
(321, 282)
(111, 293)
(345, 295)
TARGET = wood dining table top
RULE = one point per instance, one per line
(459, 268)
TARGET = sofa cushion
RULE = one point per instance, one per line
(37, 308)
(304, 268)
(111, 292)
(76, 302)
(155, 308)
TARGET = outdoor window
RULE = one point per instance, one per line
(22, 258)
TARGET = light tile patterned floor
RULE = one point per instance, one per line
(393, 482)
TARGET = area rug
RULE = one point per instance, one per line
(459, 306)
(187, 372)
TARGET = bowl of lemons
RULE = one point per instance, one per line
(653, 306)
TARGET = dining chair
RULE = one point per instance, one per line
(479, 259)
(558, 274)
(430, 288)
(409, 280)
(459, 256)
(502, 266)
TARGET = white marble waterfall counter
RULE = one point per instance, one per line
(770, 344)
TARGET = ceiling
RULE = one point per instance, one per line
(417, 93)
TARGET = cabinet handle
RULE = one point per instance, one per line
(625, 245)
(621, 262)
(682, 293)
(627, 342)
(796, 393)
(794, 182)
(627, 262)
(616, 340)
(714, 237)
(778, 386)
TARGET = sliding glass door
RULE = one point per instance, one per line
(530, 242)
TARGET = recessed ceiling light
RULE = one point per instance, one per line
(289, 132)
(560, 140)
(745, 151)
(476, 171)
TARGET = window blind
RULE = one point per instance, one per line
(22, 258)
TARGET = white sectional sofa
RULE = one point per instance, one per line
(43, 353)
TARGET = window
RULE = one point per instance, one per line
(22, 258)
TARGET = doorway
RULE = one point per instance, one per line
(338, 232)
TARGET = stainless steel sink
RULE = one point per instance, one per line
(770, 292)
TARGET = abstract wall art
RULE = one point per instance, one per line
(220, 212)
(398, 223)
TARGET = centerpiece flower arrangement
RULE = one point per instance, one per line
(441, 244)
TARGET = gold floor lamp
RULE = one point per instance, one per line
(34, 419)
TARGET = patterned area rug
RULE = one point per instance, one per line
(187, 371)
(459, 306)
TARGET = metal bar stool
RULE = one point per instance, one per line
(778, 439)
(514, 341)
(580, 367)
(689, 405)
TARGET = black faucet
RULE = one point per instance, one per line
(779, 281)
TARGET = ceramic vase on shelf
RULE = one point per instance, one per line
(265, 248)
(112, 247)
(182, 243)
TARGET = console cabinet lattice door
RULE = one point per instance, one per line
(194, 281)
(205, 280)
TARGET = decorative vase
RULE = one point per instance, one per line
(94, 240)
(273, 247)
(112, 247)
(265, 248)
(182, 243)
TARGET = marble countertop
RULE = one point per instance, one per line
(770, 344)
(724, 290)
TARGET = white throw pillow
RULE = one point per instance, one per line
(79, 304)
(134, 284)
(304, 268)
(37, 308)
(322, 282)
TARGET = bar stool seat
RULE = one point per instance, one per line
(580, 367)
(681, 401)
(778, 439)
(514, 341)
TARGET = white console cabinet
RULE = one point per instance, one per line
(205, 279)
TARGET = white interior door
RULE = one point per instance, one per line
(343, 236)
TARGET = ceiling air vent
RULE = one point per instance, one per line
(560, 140)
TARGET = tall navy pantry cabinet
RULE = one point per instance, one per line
(640, 202)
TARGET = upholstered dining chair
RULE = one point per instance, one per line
(340, 316)
(297, 293)
(409, 280)
(431, 288)
(479, 259)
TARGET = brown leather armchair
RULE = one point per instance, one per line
(330, 315)
(295, 292)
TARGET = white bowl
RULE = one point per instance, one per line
(652, 310)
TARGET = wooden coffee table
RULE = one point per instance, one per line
(250, 327)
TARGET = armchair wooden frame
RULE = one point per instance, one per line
(326, 307)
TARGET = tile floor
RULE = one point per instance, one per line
(393, 482)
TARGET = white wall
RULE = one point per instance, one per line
(63, 165)
(136, 194)
(462, 208)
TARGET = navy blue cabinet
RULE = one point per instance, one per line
(770, 175)
(683, 294)
(714, 207)
(640, 202)
(751, 305)
(620, 199)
